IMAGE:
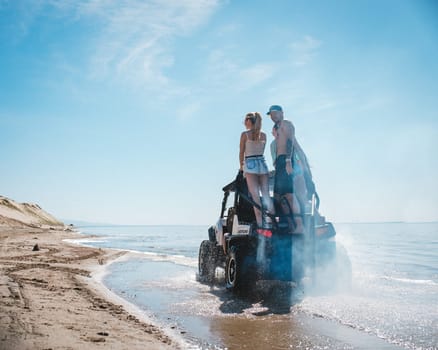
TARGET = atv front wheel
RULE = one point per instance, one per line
(207, 261)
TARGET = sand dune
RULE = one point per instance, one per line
(15, 214)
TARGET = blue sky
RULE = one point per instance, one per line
(130, 112)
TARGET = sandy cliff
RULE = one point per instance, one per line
(24, 214)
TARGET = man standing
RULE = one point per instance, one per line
(283, 185)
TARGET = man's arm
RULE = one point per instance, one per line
(290, 136)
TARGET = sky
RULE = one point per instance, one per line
(130, 112)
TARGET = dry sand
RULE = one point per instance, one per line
(49, 301)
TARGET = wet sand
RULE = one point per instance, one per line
(293, 331)
(210, 317)
(49, 301)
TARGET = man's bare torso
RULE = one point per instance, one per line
(285, 137)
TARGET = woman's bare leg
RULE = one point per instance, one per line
(266, 197)
(253, 187)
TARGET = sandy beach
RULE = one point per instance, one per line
(49, 300)
(143, 294)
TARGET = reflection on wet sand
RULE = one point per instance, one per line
(274, 325)
(270, 297)
(269, 317)
(276, 332)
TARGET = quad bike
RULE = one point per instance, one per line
(248, 253)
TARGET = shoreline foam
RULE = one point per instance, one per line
(98, 273)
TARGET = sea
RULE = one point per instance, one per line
(389, 302)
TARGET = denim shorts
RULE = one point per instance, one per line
(255, 165)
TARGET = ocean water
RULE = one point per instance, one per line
(392, 299)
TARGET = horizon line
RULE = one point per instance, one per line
(90, 223)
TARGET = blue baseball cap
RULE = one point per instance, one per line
(274, 108)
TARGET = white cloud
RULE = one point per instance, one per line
(220, 69)
(255, 75)
(319, 104)
(135, 42)
(130, 40)
(223, 70)
(227, 69)
(304, 50)
(20, 20)
(187, 111)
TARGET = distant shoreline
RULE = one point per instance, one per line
(91, 224)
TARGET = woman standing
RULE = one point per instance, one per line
(253, 164)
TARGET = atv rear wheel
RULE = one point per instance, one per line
(234, 269)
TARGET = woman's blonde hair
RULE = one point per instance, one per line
(256, 121)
